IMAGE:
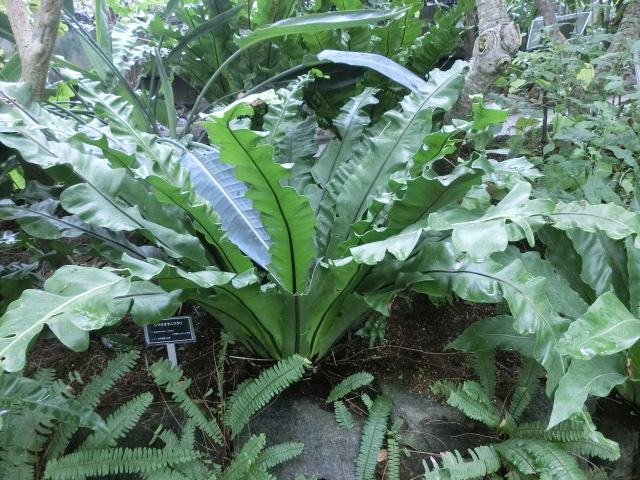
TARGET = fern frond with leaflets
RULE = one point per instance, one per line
(550, 460)
(238, 468)
(45, 376)
(254, 394)
(469, 397)
(343, 415)
(517, 457)
(393, 460)
(172, 380)
(164, 474)
(113, 461)
(119, 423)
(527, 385)
(484, 460)
(588, 447)
(372, 437)
(100, 384)
(348, 385)
(277, 454)
(253, 446)
(483, 364)
(567, 431)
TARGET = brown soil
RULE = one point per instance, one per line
(411, 354)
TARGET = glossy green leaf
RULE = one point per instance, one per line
(16, 390)
(561, 254)
(615, 221)
(319, 22)
(215, 182)
(633, 257)
(596, 376)
(286, 215)
(173, 277)
(204, 28)
(380, 64)
(483, 116)
(150, 303)
(383, 154)
(606, 328)
(444, 269)
(604, 262)
(41, 221)
(562, 297)
(491, 333)
(489, 233)
(73, 301)
(328, 167)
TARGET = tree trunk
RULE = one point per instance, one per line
(549, 17)
(35, 44)
(498, 40)
(628, 31)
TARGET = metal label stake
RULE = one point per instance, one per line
(169, 332)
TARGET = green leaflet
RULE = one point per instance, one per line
(74, 300)
(287, 216)
(607, 327)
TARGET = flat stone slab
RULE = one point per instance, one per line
(329, 451)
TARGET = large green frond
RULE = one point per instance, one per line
(286, 215)
(90, 396)
(113, 461)
(372, 437)
(385, 150)
(118, 423)
(253, 394)
(528, 383)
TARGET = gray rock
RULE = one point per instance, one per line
(431, 426)
(329, 451)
